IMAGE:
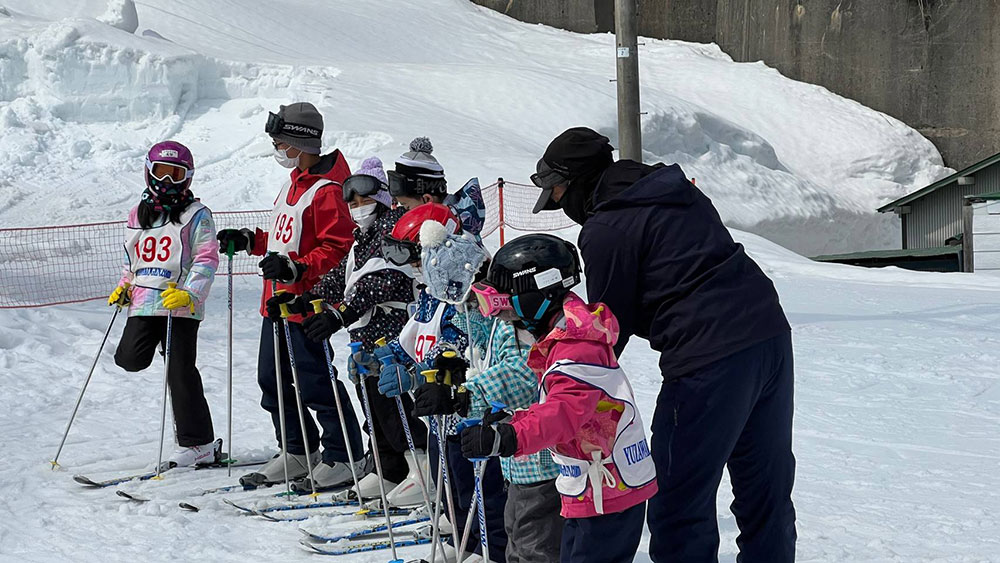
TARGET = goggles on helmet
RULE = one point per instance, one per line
(491, 302)
(400, 252)
(362, 185)
(168, 171)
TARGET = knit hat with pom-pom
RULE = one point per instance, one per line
(424, 169)
(450, 262)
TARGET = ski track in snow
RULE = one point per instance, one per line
(897, 409)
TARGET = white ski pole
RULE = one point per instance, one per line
(410, 445)
(438, 425)
(281, 396)
(355, 346)
(229, 432)
(298, 397)
(318, 308)
(90, 374)
(166, 376)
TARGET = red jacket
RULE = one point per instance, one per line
(327, 232)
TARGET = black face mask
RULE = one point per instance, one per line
(577, 204)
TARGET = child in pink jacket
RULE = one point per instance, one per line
(586, 414)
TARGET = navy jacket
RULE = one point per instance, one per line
(656, 252)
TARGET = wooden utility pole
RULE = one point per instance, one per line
(626, 37)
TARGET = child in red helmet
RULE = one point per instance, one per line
(427, 341)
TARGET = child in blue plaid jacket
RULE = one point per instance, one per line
(499, 372)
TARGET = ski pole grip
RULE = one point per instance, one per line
(231, 249)
(355, 348)
(430, 375)
(386, 360)
(317, 305)
(171, 285)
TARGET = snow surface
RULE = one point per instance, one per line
(897, 395)
(897, 409)
(81, 100)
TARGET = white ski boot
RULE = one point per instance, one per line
(328, 476)
(191, 456)
(274, 471)
(407, 493)
(369, 486)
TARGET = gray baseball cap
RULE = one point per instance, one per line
(299, 125)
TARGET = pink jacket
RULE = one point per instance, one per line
(200, 261)
(576, 418)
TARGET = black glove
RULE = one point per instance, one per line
(449, 363)
(281, 268)
(434, 398)
(487, 441)
(297, 305)
(322, 326)
(242, 239)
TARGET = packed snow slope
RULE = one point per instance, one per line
(87, 86)
(897, 410)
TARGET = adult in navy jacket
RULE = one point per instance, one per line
(656, 252)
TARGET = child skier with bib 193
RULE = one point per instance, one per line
(170, 239)
(586, 415)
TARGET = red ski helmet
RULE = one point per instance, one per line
(402, 246)
(408, 226)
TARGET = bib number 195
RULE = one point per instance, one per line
(283, 228)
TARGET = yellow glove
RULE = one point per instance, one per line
(174, 298)
(122, 295)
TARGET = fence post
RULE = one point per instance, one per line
(968, 242)
(500, 197)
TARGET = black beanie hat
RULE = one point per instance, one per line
(578, 153)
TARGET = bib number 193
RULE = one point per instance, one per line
(151, 249)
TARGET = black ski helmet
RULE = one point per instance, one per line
(537, 271)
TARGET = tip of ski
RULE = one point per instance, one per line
(131, 497)
(361, 547)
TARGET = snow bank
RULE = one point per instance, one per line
(81, 100)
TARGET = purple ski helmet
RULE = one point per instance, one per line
(176, 175)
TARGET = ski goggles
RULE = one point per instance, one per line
(400, 252)
(362, 185)
(491, 302)
(401, 185)
(168, 171)
(276, 125)
(546, 177)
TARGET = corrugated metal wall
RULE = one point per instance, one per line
(986, 236)
(938, 216)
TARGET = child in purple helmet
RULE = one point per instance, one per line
(170, 238)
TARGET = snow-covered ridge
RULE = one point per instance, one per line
(81, 98)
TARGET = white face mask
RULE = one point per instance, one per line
(364, 215)
(281, 155)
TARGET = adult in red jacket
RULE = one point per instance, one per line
(311, 232)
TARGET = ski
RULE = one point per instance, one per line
(130, 496)
(363, 531)
(147, 475)
(362, 514)
(283, 507)
(361, 547)
(190, 507)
